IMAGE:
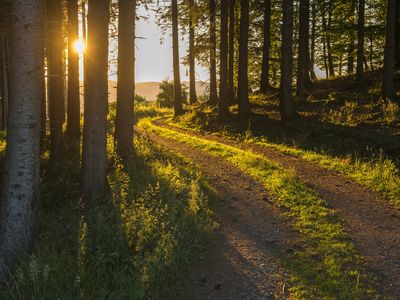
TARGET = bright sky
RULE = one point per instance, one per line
(153, 59)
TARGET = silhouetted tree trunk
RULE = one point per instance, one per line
(126, 78)
(73, 104)
(231, 76)
(3, 83)
(313, 37)
(55, 81)
(328, 42)
(175, 49)
(20, 189)
(264, 84)
(397, 36)
(286, 104)
(223, 74)
(94, 155)
(303, 63)
(192, 64)
(243, 80)
(350, 53)
(213, 55)
(360, 39)
(388, 65)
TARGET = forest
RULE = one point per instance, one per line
(280, 181)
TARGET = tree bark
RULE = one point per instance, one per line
(360, 40)
(55, 81)
(313, 37)
(192, 64)
(350, 53)
(3, 84)
(223, 74)
(213, 55)
(328, 42)
(73, 103)
(20, 190)
(243, 80)
(175, 49)
(264, 83)
(397, 36)
(126, 78)
(303, 62)
(94, 156)
(388, 64)
(287, 109)
(231, 75)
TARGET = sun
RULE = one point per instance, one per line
(79, 46)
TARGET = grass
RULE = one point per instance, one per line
(136, 242)
(324, 263)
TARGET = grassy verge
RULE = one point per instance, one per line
(135, 243)
(378, 173)
(325, 263)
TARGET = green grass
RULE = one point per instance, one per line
(325, 263)
(134, 243)
(378, 173)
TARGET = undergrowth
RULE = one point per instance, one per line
(325, 263)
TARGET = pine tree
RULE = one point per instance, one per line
(223, 73)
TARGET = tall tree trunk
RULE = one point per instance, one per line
(397, 36)
(313, 37)
(213, 55)
(192, 64)
(351, 46)
(287, 109)
(264, 83)
(73, 104)
(388, 65)
(20, 188)
(223, 73)
(360, 39)
(303, 63)
(3, 84)
(328, 42)
(126, 78)
(96, 101)
(55, 75)
(231, 75)
(175, 49)
(243, 80)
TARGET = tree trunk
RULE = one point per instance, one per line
(175, 49)
(55, 75)
(313, 37)
(286, 100)
(328, 42)
(192, 64)
(94, 155)
(360, 39)
(231, 75)
(20, 190)
(264, 83)
(3, 83)
(388, 64)
(223, 74)
(303, 77)
(126, 78)
(397, 37)
(213, 55)
(243, 80)
(73, 104)
(350, 53)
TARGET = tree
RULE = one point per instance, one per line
(20, 190)
(165, 97)
(397, 36)
(126, 79)
(3, 83)
(303, 62)
(73, 103)
(286, 100)
(96, 100)
(213, 55)
(178, 108)
(231, 63)
(192, 64)
(243, 81)
(360, 39)
(388, 65)
(264, 84)
(55, 80)
(223, 74)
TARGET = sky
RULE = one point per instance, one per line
(153, 59)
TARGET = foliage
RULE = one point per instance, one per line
(165, 98)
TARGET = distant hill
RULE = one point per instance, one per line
(150, 89)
